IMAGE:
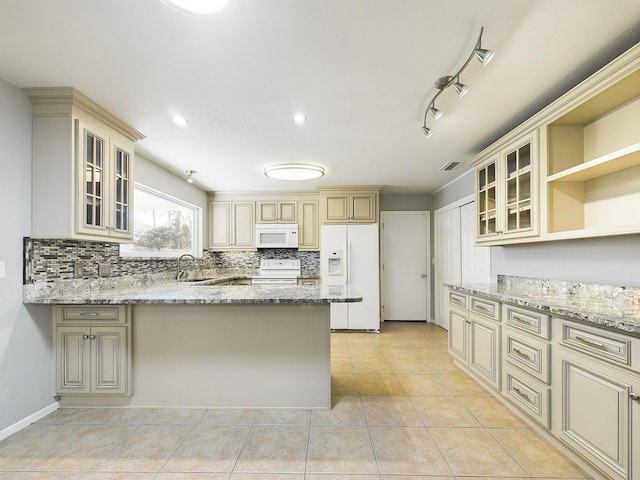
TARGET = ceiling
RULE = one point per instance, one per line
(361, 71)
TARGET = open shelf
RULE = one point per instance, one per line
(622, 159)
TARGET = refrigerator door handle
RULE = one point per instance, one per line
(348, 263)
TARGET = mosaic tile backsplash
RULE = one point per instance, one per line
(51, 260)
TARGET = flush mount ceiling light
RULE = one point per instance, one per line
(178, 120)
(299, 119)
(197, 7)
(294, 171)
(190, 175)
(482, 55)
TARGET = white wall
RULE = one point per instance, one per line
(26, 383)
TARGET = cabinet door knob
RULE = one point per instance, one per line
(424, 275)
(634, 396)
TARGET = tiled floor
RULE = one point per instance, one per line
(401, 409)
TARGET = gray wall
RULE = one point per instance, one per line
(405, 203)
(26, 383)
(607, 260)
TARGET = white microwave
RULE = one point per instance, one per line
(272, 235)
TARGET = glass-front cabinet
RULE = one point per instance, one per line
(107, 186)
(505, 195)
(82, 168)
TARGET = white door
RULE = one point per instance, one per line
(405, 265)
(476, 261)
(448, 259)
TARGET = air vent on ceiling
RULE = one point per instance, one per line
(447, 167)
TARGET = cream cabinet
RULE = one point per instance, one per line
(596, 397)
(526, 373)
(82, 168)
(474, 336)
(274, 211)
(92, 350)
(506, 201)
(231, 225)
(349, 206)
(309, 226)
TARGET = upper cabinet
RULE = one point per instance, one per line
(232, 225)
(82, 171)
(274, 211)
(349, 205)
(506, 202)
(577, 175)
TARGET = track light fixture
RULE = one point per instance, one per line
(190, 175)
(484, 56)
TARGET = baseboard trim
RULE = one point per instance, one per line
(25, 422)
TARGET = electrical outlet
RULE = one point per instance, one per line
(78, 270)
(104, 269)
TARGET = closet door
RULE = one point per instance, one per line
(448, 259)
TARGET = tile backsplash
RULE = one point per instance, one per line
(50, 260)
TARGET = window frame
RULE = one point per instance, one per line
(196, 247)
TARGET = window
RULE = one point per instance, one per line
(163, 226)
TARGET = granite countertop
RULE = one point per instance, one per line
(607, 306)
(162, 289)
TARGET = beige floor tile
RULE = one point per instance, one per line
(473, 451)
(274, 449)
(192, 476)
(463, 385)
(82, 450)
(146, 450)
(399, 351)
(417, 477)
(174, 416)
(378, 384)
(340, 351)
(491, 412)
(535, 455)
(371, 365)
(407, 451)
(442, 366)
(209, 448)
(343, 384)
(390, 411)
(423, 385)
(340, 450)
(408, 366)
(345, 410)
(61, 416)
(119, 476)
(225, 416)
(282, 417)
(44, 476)
(267, 476)
(326, 476)
(20, 448)
(365, 351)
(341, 365)
(443, 412)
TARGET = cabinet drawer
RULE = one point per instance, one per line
(531, 355)
(530, 395)
(599, 343)
(530, 321)
(458, 299)
(485, 307)
(89, 314)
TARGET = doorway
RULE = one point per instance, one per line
(406, 284)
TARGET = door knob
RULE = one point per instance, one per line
(424, 275)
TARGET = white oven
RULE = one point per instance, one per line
(273, 235)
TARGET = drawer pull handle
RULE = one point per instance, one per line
(634, 396)
(521, 353)
(590, 342)
(484, 307)
(88, 314)
(522, 394)
(520, 319)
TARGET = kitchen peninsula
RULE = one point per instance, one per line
(194, 345)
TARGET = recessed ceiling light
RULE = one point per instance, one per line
(178, 120)
(294, 171)
(299, 119)
(198, 7)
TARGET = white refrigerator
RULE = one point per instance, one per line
(350, 256)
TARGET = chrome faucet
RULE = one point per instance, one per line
(178, 271)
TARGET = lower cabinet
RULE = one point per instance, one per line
(92, 350)
(596, 406)
(475, 339)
